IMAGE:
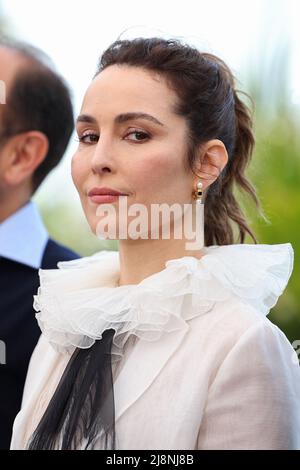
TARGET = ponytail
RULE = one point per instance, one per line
(221, 205)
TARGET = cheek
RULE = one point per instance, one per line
(78, 170)
(157, 173)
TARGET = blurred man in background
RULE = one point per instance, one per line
(36, 122)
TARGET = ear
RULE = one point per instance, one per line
(26, 152)
(213, 157)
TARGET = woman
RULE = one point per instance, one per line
(161, 345)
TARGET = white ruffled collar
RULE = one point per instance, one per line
(79, 301)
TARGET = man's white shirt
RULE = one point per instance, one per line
(23, 236)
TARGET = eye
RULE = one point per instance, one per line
(140, 136)
(89, 138)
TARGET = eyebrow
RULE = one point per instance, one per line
(121, 118)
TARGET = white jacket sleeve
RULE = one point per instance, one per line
(254, 400)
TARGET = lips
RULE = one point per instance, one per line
(104, 195)
(105, 191)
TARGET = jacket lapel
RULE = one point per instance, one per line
(142, 366)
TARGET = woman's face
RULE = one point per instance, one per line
(131, 141)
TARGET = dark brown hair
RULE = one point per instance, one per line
(208, 100)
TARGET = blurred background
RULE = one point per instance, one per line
(259, 40)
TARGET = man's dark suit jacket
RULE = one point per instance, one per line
(19, 329)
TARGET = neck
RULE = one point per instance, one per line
(9, 204)
(143, 257)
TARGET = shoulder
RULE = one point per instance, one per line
(251, 328)
(227, 321)
(255, 347)
(55, 252)
(233, 333)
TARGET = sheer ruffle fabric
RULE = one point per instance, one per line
(80, 300)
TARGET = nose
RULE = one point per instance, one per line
(102, 160)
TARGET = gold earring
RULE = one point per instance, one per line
(197, 194)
